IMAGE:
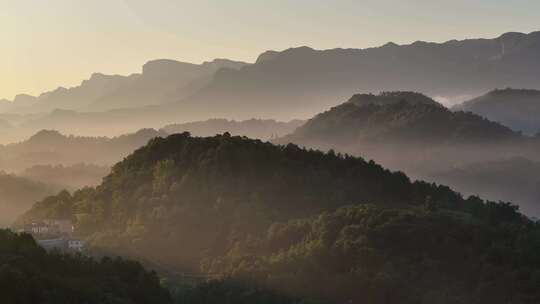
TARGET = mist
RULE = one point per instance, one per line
(400, 173)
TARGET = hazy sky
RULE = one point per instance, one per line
(48, 43)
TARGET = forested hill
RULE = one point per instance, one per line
(411, 132)
(248, 209)
(396, 117)
(235, 176)
(29, 275)
(517, 109)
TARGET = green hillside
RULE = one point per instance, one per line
(278, 216)
(398, 117)
(30, 275)
(374, 254)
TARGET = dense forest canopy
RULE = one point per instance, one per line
(372, 254)
(281, 216)
(29, 275)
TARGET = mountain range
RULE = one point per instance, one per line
(303, 81)
(161, 81)
(292, 84)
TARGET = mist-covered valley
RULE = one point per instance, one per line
(307, 176)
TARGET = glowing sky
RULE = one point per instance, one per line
(48, 43)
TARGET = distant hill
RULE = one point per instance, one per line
(395, 117)
(514, 179)
(49, 162)
(30, 275)
(320, 226)
(49, 147)
(252, 128)
(517, 109)
(410, 132)
(161, 81)
(18, 194)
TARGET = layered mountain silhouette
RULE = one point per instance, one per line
(290, 84)
(411, 132)
(303, 81)
(161, 81)
(313, 225)
(49, 162)
(50, 147)
(517, 109)
(69, 177)
(18, 194)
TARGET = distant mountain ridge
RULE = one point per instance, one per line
(161, 81)
(518, 109)
(297, 83)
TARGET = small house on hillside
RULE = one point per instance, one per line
(62, 244)
(57, 227)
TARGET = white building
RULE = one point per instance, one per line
(39, 228)
(50, 227)
(51, 244)
(62, 244)
(75, 244)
